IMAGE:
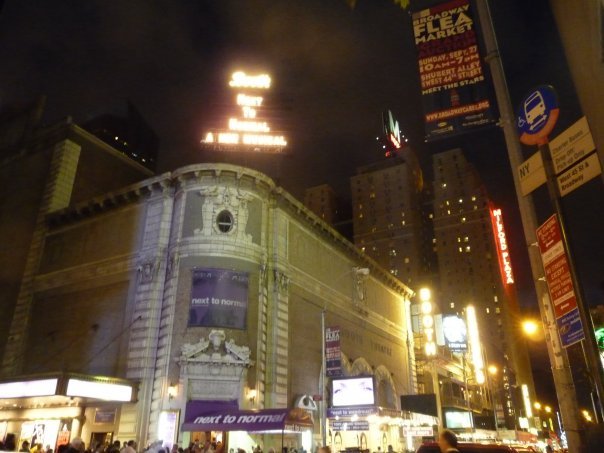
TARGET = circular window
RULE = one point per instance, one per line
(224, 220)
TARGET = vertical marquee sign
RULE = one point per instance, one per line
(503, 252)
(248, 131)
(559, 282)
(333, 355)
(454, 90)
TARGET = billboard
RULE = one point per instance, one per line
(456, 333)
(333, 354)
(218, 299)
(454, 89)
(503, 252)
(357, 391)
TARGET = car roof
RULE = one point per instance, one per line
(469, 447)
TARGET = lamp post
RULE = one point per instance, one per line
(492, 372)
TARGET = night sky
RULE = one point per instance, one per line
(334, 70)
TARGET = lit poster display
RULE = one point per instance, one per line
(454, 90)
(333, 353)
(353, 392)
(218, 299)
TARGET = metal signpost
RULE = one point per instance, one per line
(577, 163)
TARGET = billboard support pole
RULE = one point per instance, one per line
(561, 372)
(588, 345)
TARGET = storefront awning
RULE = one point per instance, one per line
(225, 416)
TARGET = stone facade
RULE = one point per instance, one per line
(133, 251)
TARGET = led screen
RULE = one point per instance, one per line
(353, 392)
(458, 420)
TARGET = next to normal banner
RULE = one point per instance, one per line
(454, 89)
(219, 298)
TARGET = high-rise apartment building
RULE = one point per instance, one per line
(322, 200)
(387, 216)
(475, 268)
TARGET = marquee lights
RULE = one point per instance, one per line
(505, 262)
(247, 131)
(428, 321)
(475, 346)
(240, 79)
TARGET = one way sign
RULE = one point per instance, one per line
(531, 173)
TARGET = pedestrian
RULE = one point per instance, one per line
(447, 441)
(25, 446)
(130, 447)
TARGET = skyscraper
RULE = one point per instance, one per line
(387, 216)
(322, 200)
(475, 268)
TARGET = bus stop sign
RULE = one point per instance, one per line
(537, 115)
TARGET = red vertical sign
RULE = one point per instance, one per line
(559, 282)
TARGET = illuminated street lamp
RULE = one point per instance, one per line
(537, 405)
(548, 409)
(530, 327)
(425, 296)
(493, 370)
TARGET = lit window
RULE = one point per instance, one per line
(406, 260)
(372, 195)
(467, 248)
(458, 239)
(460, 250)
(488, 310)
(431, 216)
(461, 200)
(361, 215)
(447, 202)
(449, 211)
(433, 240)
(498, 310)
(473, 198)
(444, 185)
(402, 222)
(495, 298)
(452, 304)
(466, 239)
(463, 219)
(362, 249)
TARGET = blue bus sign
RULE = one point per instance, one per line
(537, 115)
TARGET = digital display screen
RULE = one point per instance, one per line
(458, 420)
(353, 392)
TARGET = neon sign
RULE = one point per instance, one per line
(248, 130)
(505, 263)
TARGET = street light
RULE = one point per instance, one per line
(537, 405)
(548, 409)
(530, 327)
(493, 370)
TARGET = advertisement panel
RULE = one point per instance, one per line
(456, 333)
(218, 299)
(333, 354)
(559, 282)
(454, 89)
(357, 391)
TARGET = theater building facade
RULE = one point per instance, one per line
(204, 291)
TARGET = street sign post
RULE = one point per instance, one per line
(559, 282)
(531, 173)
(579, 174)
(571, 146)
(537, 115)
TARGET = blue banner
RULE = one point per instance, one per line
(218, 299)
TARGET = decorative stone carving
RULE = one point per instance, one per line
(360, 288)
(147, 268)
(213, 368)
(281, 281)
(172, 264)
(217, 199)
(214, 350)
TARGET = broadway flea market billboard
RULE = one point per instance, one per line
(454, 90)
(219, 299)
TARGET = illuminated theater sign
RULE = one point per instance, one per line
(248, 132)
(505, 263)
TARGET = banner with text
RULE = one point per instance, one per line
(559, 282)
(218, 299)
(454, 90)
(333, 355)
